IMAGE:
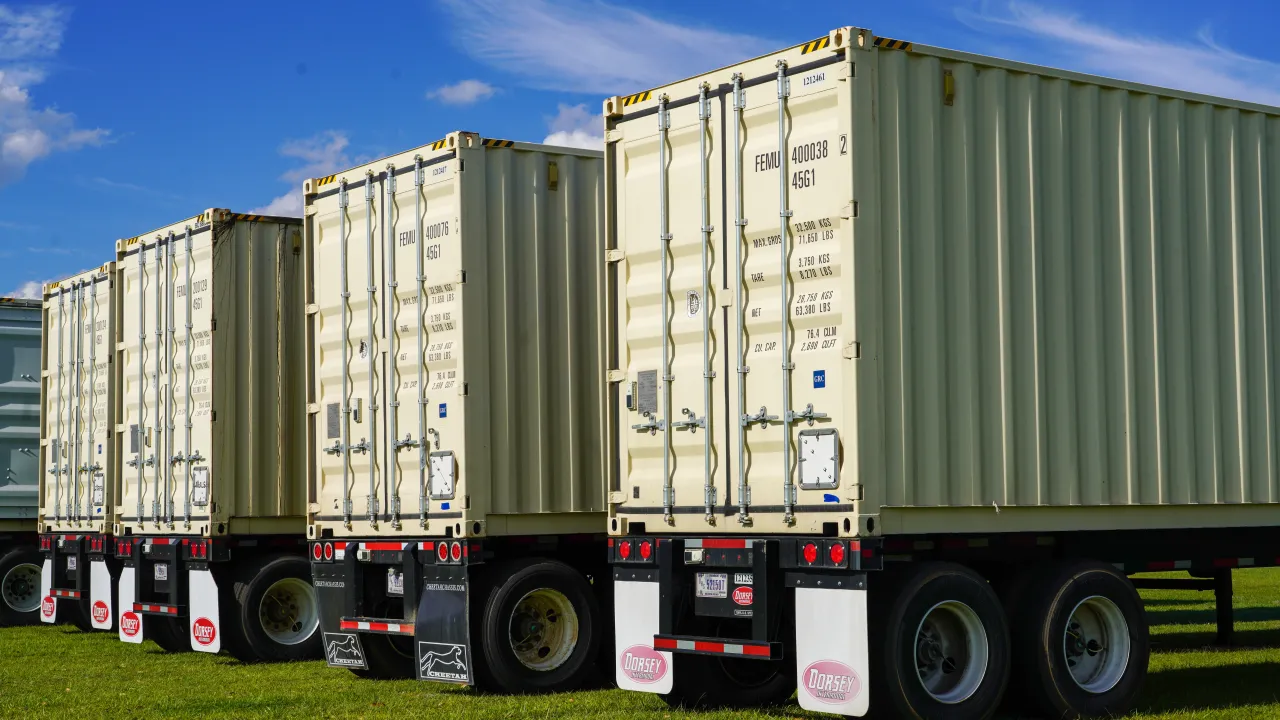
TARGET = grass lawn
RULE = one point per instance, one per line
(58, 672)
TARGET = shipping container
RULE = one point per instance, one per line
(78, 474)
(456, 382)
(881, 302)
(20, 560)
(209, 441)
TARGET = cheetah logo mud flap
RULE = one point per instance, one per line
(203, 620)
(130, 622)
(831, 650)
(343, 650)
(635, 621)
(441, 633)
(48, 604)
(101, 600)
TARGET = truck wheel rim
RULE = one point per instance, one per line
(21, 588)
(1095, 644)
(288, 612)
(951, 652)
(543, 630)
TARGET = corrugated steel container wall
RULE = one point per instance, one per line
(511, 363)
(1050, 295)
(78, 394)
(211, 377)
(19, 413)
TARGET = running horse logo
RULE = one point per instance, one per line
(343, 650)
(451, 661)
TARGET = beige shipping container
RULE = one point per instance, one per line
(455, 368)
(78, 476)
(209, 431)
(928, 291)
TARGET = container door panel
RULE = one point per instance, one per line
(671, 210)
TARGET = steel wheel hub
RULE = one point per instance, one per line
(288, 612)
(20, 588)
(1095, 644)
(951, 652)
(543, 629)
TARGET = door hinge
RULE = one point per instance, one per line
(616, 376)
(853, 350)
(614, 255)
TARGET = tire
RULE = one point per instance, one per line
(20, 586)
(555, 612)
(169, 633)
(938, 615)
(273, 614)
(704, 682)
(1096, 671)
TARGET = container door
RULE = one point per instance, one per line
(166, 327)
(672, 209)
(794, 314)
(19, 411)
(57, 435)
(93, 367)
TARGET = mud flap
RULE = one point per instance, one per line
(205, 628)
(48, 605)
(341, 649)
(831, 650)
(101, 596)
(130, 622)
(635, 621)
(442, 633)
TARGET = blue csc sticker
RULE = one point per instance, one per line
(819, 379)
(444, 410)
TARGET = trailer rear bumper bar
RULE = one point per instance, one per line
(376, 626)
(718, 647)
(162, 610)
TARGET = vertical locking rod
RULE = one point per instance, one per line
(188, 459)
(708, 484)
(664, 246)
(423, 502)
(372, 446)
(740, 225)
(784, 218)
(77, 351)
(169, 340)
(155, 458)
(140, 429)
(59, 446)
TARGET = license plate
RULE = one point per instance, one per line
(395, 583)
(71, 563)
(713, 585)
(162, 572)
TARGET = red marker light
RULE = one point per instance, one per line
(624, 550)
(810, 553)
(836, 553)
(646, 549)
(328, 551)
(455, 551)
(442, 552)
(316, 551)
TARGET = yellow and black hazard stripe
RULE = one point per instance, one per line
(202, 217)
(490, 142)
(131, 241)
(438, 145)
(250, 218)
(888, 44)
(325, 180)
(818, 44)
(637, 98)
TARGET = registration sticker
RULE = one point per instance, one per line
(713, 585)
(395, 583)
(162, 571)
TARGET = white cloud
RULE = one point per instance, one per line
(465, 92)
(1199, 65)
(589, 46)
(27, 132)
(575, 126)
(30, 290)
(319, 155)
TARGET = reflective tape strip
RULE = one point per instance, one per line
(717, 543)
(380, 627)
(162, 609)
(427, 546)
(384, 546)
(162, 541)
(73, 594)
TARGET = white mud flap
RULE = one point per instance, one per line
(130, 625)
(831, 651)
(635, 622)
(205, 624)
(48, 605)
(101, 604)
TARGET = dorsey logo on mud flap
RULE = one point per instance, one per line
(744, 596)
(48, 606)
(100, 612)
(831, 682)
(130, 623)
(643, 664)
(203, 631)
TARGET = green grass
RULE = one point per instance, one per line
(57, 672)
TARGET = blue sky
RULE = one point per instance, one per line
(117, 118)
